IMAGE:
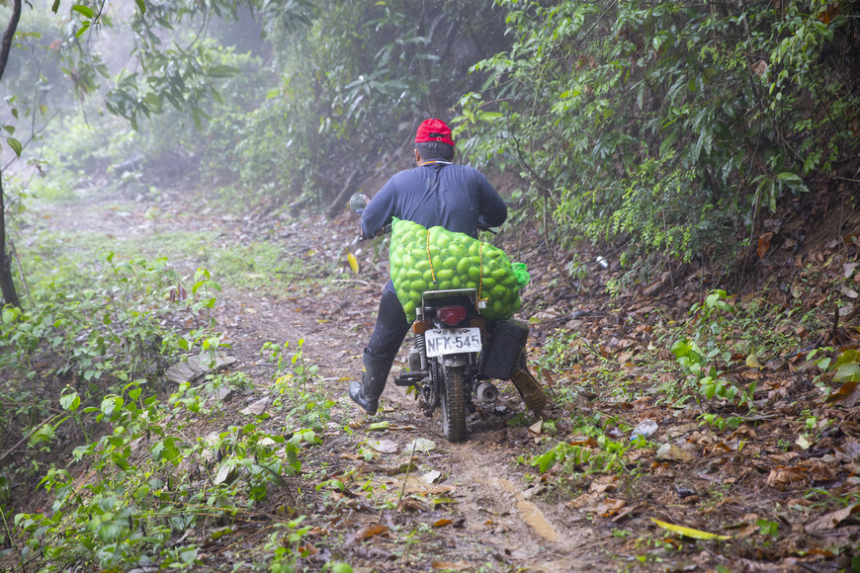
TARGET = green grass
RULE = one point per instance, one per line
(261, 267)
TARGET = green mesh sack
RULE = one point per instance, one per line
(436, 259)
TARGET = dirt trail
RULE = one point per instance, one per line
(497, 523)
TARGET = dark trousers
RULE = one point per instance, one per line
(390, 330)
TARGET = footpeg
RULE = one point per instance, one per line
(410, 378)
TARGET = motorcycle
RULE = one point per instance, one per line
(457, 351)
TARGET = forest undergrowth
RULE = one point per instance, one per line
(735, 417)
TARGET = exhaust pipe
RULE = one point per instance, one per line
(486, 392)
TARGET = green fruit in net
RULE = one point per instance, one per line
(499, 292)
(445, 274)
(463, 266)
(500, 273)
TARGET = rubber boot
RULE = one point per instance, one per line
(529, 388)
(367, 392)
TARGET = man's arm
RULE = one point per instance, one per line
(494, 212)
(379, 211)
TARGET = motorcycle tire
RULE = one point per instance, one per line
(454, 404)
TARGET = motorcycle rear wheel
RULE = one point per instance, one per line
(454, 404)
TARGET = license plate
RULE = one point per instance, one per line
(452, 341)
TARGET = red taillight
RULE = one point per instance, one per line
(452, 315)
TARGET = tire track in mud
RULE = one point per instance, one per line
(499, 521)
(500, 515)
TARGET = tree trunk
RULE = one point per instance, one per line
(336, 206)
(7, 287)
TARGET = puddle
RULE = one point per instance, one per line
(529, 512)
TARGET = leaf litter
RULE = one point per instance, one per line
(807, 488)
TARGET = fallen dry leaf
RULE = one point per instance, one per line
(369, 531)
(764, 242)
(676, 453)
(847, 395)
(430, 476)
(631, 510)
(602, 487)
(306, 550)
(786, 478)
(606, 508)
(848, 452)
(452, 565)
(353, 263)
(828, 522)
(582, 500)
(442, 522)
(258, 407)
(420, 445)
(688, 531)
(849, 292)
(760, 68)
(410, 504)
(384, 446)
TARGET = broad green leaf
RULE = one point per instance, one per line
(84, 28)
(688, 532)
(141, 5)
(55, 6)
(84, 10)
(491, 115)
(848, 357)
(666, 146)
(70, 401)
(789, 177)
(10, 129)
(848, 373)
(15, 145)
(222, 71)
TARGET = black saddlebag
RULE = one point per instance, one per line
(502, 350)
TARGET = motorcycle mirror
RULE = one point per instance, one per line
(358, 202)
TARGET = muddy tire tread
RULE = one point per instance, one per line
(454, 404)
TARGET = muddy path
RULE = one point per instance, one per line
(491, 518)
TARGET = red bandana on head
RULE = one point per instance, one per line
(433, 130)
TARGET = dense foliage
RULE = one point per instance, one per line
(672, 126)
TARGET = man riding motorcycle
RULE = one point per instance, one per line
(435, 193)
